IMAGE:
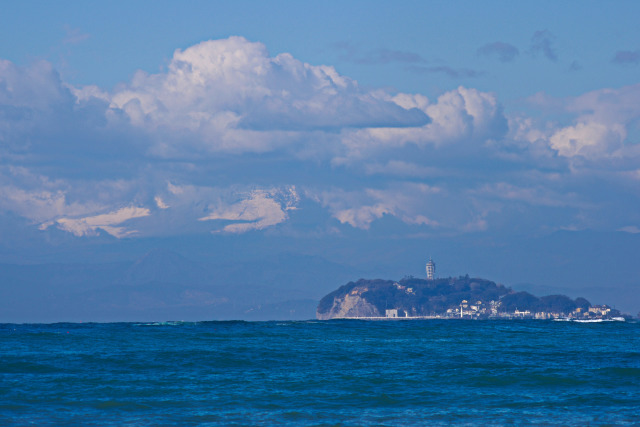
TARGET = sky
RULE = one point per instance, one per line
(501, 138)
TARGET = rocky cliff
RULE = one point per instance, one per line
(348, 306)
(349, 301)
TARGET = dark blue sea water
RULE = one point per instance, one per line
(432, 372)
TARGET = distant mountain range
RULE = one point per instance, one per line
(216, 285)
(164, 285)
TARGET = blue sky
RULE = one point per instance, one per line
(104, 43)
(324, 122)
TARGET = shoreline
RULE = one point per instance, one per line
(557, 319)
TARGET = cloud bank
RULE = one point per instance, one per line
(230, 139)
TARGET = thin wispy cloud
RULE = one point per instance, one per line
(74, 35)
(504, 52)
(626, 57)
(454, 73)
(575, 66)
(377, 56)
(542, 43)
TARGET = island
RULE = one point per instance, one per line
(461, 297)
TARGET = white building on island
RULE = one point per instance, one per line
(431, 269)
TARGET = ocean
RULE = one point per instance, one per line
(321, 373)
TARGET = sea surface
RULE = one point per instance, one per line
(343, 372)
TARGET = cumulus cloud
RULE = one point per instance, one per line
(217, 141)
(42, 122)
(30, 98)
(505, 52)
(600, 128)
(466, 113)
(590, 139)
(459, 115)
(226, 93)
(36, 87)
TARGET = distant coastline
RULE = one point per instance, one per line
(462, 297)
(621, 318)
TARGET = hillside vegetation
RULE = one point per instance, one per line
(420, 297)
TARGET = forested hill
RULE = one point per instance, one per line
(420, 297)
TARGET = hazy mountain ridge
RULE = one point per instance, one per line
(163, 285)
(275, 264)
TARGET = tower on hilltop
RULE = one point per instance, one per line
(431, 269)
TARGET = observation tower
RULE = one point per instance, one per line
(431, 269)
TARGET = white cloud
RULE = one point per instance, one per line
(363, 216)
(160, 203)
(261, 209)
(37, 197)
(175, 189)
(88, 226)
(86, 93)
(466, 113)
(451, 209)
(37, 86)
(633, 229)
(408, 202)
(231, 95)
(589, 139)
(459, 115)
(72, 207)
(31, 98)
(207, 143)
(600, 128)
(528, 130)
(37, 205)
